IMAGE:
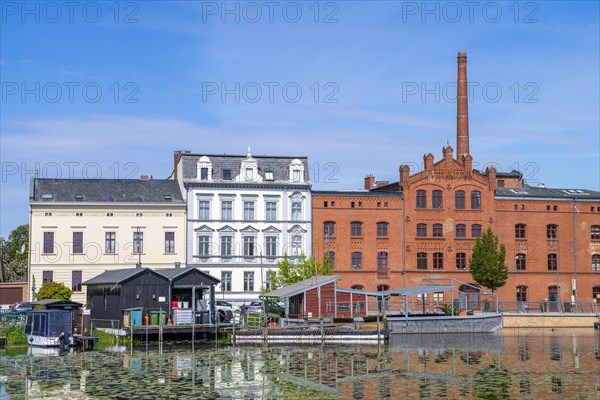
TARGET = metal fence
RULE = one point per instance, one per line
(578, 307)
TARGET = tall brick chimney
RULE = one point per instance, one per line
(176, 158)
(462, 109)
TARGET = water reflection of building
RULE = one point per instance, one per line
(534, 364)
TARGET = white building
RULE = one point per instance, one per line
(244, 214)
(83, 227)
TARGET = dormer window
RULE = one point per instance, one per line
(296, 175)
(249, 170)
(296, 171)
(204, 169)
(227, 174)
(79, 197)
(203, 174)
(47, 196)
(269, 176)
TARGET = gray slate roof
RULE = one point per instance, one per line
(533, 192)
(301, 287)
(279, 165)
(176, 272)
(117, 276)
(106, 190)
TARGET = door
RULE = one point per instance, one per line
(553, 298)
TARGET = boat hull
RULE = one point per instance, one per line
(42, 341)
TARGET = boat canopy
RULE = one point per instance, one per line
(49, 323)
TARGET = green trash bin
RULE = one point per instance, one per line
(163, 317)
(153, 317)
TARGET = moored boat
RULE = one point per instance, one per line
(49, 328)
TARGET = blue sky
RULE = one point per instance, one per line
(110, 89)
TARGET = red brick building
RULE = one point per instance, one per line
(426, 224)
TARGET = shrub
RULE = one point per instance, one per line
(54, 290)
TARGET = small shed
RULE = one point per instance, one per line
(308, 298)
(191, 286)
(113, 291)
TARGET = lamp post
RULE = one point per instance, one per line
(552, 235)
(139, 247)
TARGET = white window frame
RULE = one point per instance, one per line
(248, 281)
(296, 211)
(203, 245)
(204, 209)
(270, 214)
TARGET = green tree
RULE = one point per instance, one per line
(13, 255)
(290, 272)
(487, 261)
(18, 243)
(54, 290)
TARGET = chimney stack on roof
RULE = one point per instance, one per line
(462, 109)
(369, 182)
(144, 178)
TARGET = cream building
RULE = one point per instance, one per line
(83, 227)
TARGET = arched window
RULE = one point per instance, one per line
(521, 262)
(421, 230)
(475, 199)
(356, 229)
(296, 245)
(436, 199)
(475, 230)
(382, 229)
(595, 262)
(522, 293)
(461, 261)
(461, 230)
(356, 260)
(595, 230)
(551, 231)
(438, 260)
(357, 287)
(459, 199)
(421, 260)
(421, 199)
(332, 259)
(329, 228)
(596, 294)
(382, 260)
(438, 230)
(520, 232)
(383, 288)
(552, 262)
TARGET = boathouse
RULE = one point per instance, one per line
(126, 295)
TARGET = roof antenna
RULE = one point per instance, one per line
(447, 141)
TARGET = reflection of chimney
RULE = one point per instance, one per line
(462, 109)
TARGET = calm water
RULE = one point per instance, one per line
(515, 364)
